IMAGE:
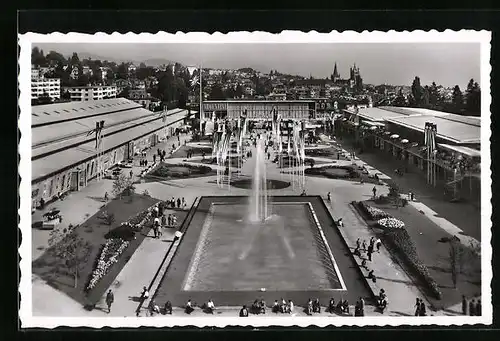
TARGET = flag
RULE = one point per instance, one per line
(195, 81)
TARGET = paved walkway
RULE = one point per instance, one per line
(76, 208)
(140, 269)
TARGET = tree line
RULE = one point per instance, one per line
(468, 103)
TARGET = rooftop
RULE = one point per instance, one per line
(448, 127)
(50, 164)
(59, 112)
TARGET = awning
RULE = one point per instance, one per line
(373, 128)
(373, 124)
(462, 150)
(395, 136)
(404, 141)
(387, 133)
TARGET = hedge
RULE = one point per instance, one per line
(405, 247)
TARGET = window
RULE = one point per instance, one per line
(66, 110)
(34, 115)
(46, 113)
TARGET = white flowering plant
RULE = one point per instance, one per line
(109, 256)
(391, 223)
(376, 213)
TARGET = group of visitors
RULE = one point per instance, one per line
(342, 306)
(144, 162)
(359, 308)
(475, 308)
(283, 306)
(313, 306)
(190, 153)
(361, 246)
(208, 307)
(177, 203)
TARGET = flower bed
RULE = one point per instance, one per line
(373, 212)
(391, 223)
(117, 241)
(333, 172)
(179, 171)
(405, 247)
(109, 255)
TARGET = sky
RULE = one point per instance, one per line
(380, 63)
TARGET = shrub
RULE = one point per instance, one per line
(124, 232)
(405, 247)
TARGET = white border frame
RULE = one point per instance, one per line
(286, 37)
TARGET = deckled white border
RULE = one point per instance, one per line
(24, 123)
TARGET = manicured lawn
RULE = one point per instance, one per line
(180, 171)
(350, 173)
(435, 255)
(94, 230)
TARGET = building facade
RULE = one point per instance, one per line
(64, 157)
(91, 93)
(259, 110)
(50, 86)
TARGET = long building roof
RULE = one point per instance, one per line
(61, 139)
(50, 164)
(60, 112)
(451, 127)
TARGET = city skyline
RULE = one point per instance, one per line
(446, 64)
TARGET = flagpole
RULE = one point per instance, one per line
(201, 95)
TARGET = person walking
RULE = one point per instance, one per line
(358, 243)
(106, 196)
(374, 190)
(178, 202)
(154, 158)
(131, 173)
(364, 245)
(464, 305)
(329, 196)
(417, 307)
(369, 254)
(110, 298)
(472, 307)
(423, 310)
(378, 243)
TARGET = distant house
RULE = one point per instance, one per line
(74, 72)
(132, 68)
(86, 70)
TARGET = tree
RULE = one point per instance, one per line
(457, 99)
(454, 261)
(75, 60)
(72, 251)
(120, 184)
(417, 92)
(473, 98)
(238, 92)
(122, 71)
(400, 100)
(37, 57)
(45, 98)
(216, 92)
(66, 95)
(434, 97)
(124, 93)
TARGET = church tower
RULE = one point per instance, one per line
(335, 76)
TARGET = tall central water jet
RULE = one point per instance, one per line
(258, 200)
